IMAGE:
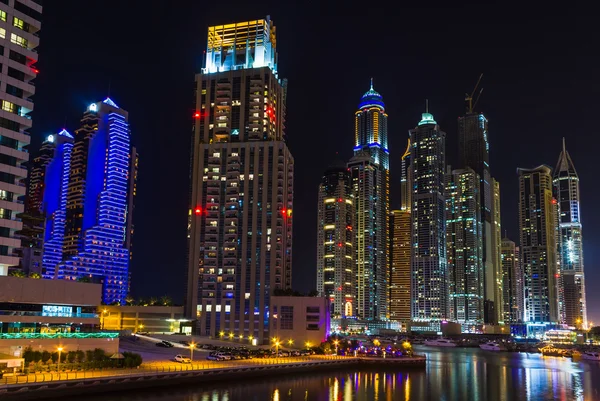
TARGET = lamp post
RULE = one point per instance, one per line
(192, 346)
(59, 353)
(140, 327)
(336, 343)
(104, 312)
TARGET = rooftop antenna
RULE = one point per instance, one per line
(426, 105)
(469, 98)
(564, 146)
(371, 83)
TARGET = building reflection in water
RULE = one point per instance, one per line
(455, 375)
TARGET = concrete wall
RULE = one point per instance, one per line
(55, 292)
(152, 319)
(307, 326)
(15, 347)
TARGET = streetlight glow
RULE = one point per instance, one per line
(192, 346)
(60, 349)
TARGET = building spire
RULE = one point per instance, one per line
(564, 145)
(426, 105)
(371, 83)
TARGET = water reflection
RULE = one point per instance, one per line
(458, 374)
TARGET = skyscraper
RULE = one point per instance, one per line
(88, 202)
(399, 281)
(19, 24)
(240, 217)
(464, 248)
(538, 245)
(37, 175)
(335, 240)
(429, 279)
(370, 172)
(512, 277)
(570, 241)
(474, 152)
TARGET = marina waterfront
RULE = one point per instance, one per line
(451, 374)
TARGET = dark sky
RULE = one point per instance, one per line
(540, 84)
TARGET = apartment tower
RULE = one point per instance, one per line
(240, 216)
(370, 172)
(19, 24)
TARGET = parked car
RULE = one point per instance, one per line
(161, 344)
(182, 359)
(216, 356)
(168, 344)
(306, 352)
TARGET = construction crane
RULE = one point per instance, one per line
(469, 98)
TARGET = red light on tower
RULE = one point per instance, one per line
(197, 114)
(340, 200)
(198, 211)
(284, 212)
(554, 201)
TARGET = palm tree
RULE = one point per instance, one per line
(153, 301)
(35, 275)
(165, 300)
(129, 300)
(17, 273)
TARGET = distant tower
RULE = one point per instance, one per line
(400, 248)
(512, 276)
(570, 241)
(474, 152)
(370, 172)
(464, 248)
(335, 240)
(37, 174)
(538, 245)
(429, 280)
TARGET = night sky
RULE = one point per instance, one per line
(539, 85)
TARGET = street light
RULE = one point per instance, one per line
(221, 334)
(336, 343)
(277, 343)
(290, 342)
(140, 327)
(59, 353)
(104, 312)
(307, 344)
(230, 335)
(192, 346)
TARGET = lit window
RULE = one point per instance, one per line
(16, 39)
(2, 33)
(208, 308)
(16, 21)
(8, 106)
(2, 15)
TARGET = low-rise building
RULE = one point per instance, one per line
(48, 314)
(151, 319)
(299, 321)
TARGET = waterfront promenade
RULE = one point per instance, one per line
(48, 385)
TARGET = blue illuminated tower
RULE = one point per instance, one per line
(92, 238)
(370, 173)
(54, 205)
(570, 242)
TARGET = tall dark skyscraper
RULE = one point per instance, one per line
(474, 152)
(19, 26)
(464, 248)
(429, 280)
(370, 171)
(240, 216)
(570, 242)
(88, 202)
(512, 285)
(537, 211)
(335, 240)
(37, 175)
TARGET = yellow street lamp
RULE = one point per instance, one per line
(192, 346)
(336, 343)
(59, 349)
(104, 312)
(221, 334)
(241, 336)
(140, 327)
(290, 342)
(230, 335)
(277, 344)
(308, 344)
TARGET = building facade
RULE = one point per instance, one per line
(88, 202)
(241, 201)
(474, 152)
(399, 281)
(370, 172)
(464, 248)
(570, 242)
(298, 322)
(19, 24)
(537, 211)
(512, 282)
(335, 240)
(429, 271)
(146, 319)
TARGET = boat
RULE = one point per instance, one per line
(551, 351)
(591, 356)
(492, 346)
(440, 342)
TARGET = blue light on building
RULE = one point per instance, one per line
(102, 252)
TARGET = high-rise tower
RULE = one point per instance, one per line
(464, 248)
(474, 152)
(88, 202)
(538, 245)
(240, 216)
(512, 287)
(19, 24)
(570, 241)
(370, 174)
(429, 280)
(335, 240)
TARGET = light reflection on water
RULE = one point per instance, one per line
(451, 374)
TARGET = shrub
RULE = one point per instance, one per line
(132, 360)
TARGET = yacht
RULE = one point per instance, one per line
(492, 346)
(591, 356)
(440, 342)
